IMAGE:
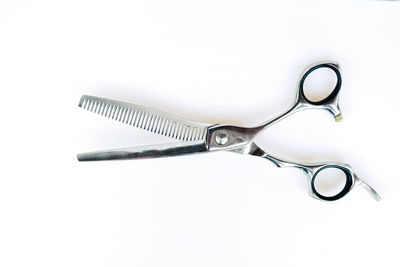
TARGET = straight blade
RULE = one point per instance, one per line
(153, 151)
(146, 118)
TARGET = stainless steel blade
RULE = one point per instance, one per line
(153, 151)
(146, 118)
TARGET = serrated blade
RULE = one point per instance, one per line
(145, 118)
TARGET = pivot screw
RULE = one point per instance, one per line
(221, 138)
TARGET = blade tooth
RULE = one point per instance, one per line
(171, 131)
(106, 110)
(184, 132)
(203, 136)
(167, 126)
(187, 134)
(176, 131)
(119, 115)
(155, 125)
(144, 119)
(180, 130)
(161, 126)
(137, 119)
(196, 134)
(89, 104)
(115, 113)
(110, 111)
(127, 116)
(148, 122)
(82, 101)
(92, 102)
(152, 123)
(101, 107)
(200, 134)
(94, 106)
(164, 127)
(122, 115)
(133, 117)
(190, 134)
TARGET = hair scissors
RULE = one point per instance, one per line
(200, 137)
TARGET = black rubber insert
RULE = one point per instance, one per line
(332, 94)
(345, 190)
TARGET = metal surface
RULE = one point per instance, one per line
(223, 137)
(146, 118)
(143, 152)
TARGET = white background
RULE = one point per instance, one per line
(215, 61)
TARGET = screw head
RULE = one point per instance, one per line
(221, 138)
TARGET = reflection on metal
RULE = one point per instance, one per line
(201, 137)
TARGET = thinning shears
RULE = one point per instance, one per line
(199, 137)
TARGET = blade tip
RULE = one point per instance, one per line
(80, 157)
(82, 100)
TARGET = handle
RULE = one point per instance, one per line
(313, 171)
(330, 102)
(301, 102)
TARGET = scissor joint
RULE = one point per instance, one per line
(227, 137)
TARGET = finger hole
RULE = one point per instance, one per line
(331, 182)
(319, 84)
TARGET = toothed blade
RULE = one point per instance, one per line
(146, 118)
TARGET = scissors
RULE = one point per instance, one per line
(198, 137)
